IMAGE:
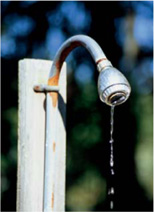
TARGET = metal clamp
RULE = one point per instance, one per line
(103, 63)
(45, 88)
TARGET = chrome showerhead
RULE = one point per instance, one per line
(113, 87)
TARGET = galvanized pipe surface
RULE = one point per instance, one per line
(51, 138)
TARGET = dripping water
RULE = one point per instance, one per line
(111, 189)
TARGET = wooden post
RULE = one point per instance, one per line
(31, 137)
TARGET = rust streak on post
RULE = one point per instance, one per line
(54, 146)
(52, 200)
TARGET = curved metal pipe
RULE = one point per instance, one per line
(73, 42)
(119, 88)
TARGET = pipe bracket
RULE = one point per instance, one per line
(41, 88)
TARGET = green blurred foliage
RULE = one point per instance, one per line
(9, 160)
(144, 148)
(88, 191)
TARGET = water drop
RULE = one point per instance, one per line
(111, 205)
(111, 163)
(112, 190)
(112, 171)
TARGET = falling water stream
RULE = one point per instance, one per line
(111, 189)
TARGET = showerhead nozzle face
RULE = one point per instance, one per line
(113, 87)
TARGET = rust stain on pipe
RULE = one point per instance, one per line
(53, 81)
(100, 60)
(37, 88)
(52, 200)
(67, 50)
